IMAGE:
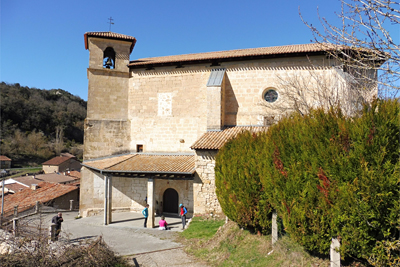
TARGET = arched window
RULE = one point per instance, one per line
(109, 58)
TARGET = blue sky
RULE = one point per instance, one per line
(42, 42)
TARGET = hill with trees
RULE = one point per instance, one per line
(38, 124)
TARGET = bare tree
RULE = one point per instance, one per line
(319, 86)
(59, 141)
(364, 43)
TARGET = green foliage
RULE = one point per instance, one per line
(300, 152)
(327, 175)
(239, 190)
(332, 176)
(29, 109)
(36, 123)
(386, 253)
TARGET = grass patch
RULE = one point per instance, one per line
(202, 228)
(221, 244)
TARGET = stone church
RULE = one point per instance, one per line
(154, 125)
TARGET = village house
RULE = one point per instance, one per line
(5, 162)
(154, 125)
(64, 162)
(49, 195)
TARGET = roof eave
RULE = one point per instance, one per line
(138, 172)
(222, 59)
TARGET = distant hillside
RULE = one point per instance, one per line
(54, 116)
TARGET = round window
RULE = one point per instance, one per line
(271, 96)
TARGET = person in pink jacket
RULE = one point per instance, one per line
(162, 224)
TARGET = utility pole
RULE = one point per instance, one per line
(2, 199)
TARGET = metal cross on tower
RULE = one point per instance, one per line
(111, 23)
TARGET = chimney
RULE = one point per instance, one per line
(34, 186)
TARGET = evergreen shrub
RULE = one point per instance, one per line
(332, 176)
(238, 186)
(327, 175)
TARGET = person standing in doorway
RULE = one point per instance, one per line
(183, 215)
(145, 213)
(57, 220)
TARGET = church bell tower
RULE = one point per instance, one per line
(108, 93)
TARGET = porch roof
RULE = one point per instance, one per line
(145, 163)
(216, 139)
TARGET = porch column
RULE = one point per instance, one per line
(107, 199)
(150, 201)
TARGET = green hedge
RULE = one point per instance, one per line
(238, 187)
(327, 176)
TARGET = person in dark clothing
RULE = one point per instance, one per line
(145, 213)
(57, 220)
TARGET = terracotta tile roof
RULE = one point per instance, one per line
(56, 161)
(4, 158)
(75, 174)
(231, 54)
(146, 163)
(109, 35)
(216, 139)
(27, 198)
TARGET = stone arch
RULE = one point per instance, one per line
(170, 201)
(109, 58)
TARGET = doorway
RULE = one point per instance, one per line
(170, 201)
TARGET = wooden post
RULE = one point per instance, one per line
(15, 227)
(274, 228)
(16, 211)
(53, 232)
(37, 207)
(335, 254)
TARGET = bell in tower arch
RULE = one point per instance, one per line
(109, 58)
(108, 63)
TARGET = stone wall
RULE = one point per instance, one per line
(166, 110)
(129, 193)
(184, 188)
(107, 128)
(205, 198)
(106, 137)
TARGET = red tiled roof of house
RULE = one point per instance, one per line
(4, 158)
(56, 161)
(109, 35)
(74, 174)
(240, 53)
(146, 163)
(216, 139)
(27, 198)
